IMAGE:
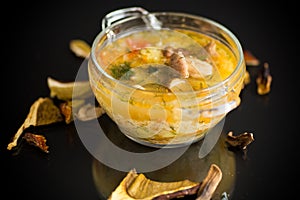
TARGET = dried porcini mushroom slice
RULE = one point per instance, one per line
(89, 112)
(137, 186)
(121, 191)
(80, 48)
(42, 112)
(209, 183)
(240, 141)
(250, 59)
(68, 107)
(264, 80)
(37, 140)
(64, 90)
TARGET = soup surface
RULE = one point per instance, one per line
(156, 60)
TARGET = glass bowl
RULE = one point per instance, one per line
(165, 78)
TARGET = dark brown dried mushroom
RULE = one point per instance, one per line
(240, 141)
(42, 112)
(37, 140)
(264, 80)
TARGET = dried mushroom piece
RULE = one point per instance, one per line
(80, 48)
(66, 111)
(121, 191)
(42, 112)
(210, 183)
(89, 112)
(144, 188)
(240, 141)
(68, 107)
(264, 80)
(37, 140)
(250, 59)
(137, 186)
(64, 90)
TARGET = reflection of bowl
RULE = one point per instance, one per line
(188, 166)
(165, 78)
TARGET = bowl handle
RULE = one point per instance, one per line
(123, 13)
(130, 12)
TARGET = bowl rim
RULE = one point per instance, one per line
(221, 84)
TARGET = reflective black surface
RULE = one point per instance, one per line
(36, 45)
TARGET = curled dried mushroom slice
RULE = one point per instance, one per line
(210, 183)
(64, 90)
(136, 186)
(239, 141)
(121, 191)
(80, 48)
(42, 112)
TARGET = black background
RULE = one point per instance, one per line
(35, 45)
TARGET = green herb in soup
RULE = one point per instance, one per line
(118, 71)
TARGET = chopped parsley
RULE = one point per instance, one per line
(118, 71)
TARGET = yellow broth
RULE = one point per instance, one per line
(141, 100)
